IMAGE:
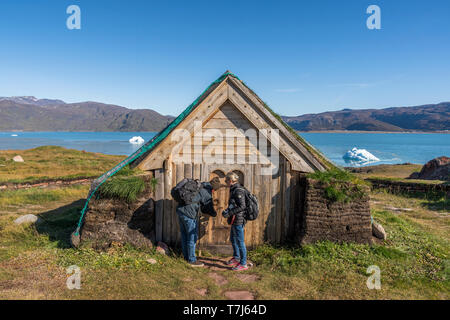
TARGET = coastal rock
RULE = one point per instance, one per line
(18, 159)
(378, 231)
(28, 218)
(436, 169)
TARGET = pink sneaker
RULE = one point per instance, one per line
(240, 267)
(232, 262)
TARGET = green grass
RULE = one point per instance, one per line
(340, 185)
(405, 180)
(53, 163)
(127, 188)
(414, 260)
(409, 255)
(37, 196)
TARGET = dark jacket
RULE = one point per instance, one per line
(236, 204)
(202, 201)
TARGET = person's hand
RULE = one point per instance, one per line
(225, 213)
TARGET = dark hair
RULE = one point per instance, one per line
(215, 183)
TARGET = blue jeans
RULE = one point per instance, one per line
(189, 235)
(237, 241)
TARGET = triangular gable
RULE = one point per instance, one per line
(229, 88)
(226, 87)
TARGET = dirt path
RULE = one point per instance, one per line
(218, 266)
(45, 184)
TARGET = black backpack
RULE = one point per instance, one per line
(252, 208)
(185, 191)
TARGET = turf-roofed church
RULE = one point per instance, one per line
(227, 128)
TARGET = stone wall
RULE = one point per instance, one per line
(109, 221)
(323, 219)
(409, 187)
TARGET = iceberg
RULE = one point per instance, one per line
(359, 156)
(136, 140)
(14, 135)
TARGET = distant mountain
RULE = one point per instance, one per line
(31, 114)
(432, 117)
(33, 100)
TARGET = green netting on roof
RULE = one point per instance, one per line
(148, 147)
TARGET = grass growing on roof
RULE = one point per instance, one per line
(340, 185)
(127, 188)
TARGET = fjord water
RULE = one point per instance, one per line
(103, 142)
(388, 147)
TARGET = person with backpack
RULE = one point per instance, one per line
(192, 196)
(235, 213)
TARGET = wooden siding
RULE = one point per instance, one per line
(278, 197)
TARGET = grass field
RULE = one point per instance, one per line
(51, 163)
(398, 172)
(414, 260)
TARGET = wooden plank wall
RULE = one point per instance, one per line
(278, 196)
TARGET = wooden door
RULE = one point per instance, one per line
(219, 228)
(214, 232)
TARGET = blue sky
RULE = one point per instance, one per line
(298, 56)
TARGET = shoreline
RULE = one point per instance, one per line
(310, 131)
(360, 131)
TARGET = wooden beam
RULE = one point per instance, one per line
(236, 84)
(159, 205)
(296, 158)
(204, 110)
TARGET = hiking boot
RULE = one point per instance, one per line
(196, 264)
(240, 267)
(232, 262)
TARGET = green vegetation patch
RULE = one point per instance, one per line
(126, 188)
(49, 163)
(410, 257)
(38, 196)
(340, 185)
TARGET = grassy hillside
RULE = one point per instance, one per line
(51, 162)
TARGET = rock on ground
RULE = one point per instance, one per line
(18, 159)
(378, 231)
(436, 169)
(151, 261)
(245, 277)
(28, 218)
(239, 295)
(219, 279)
(202, 292)
(162, 248)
